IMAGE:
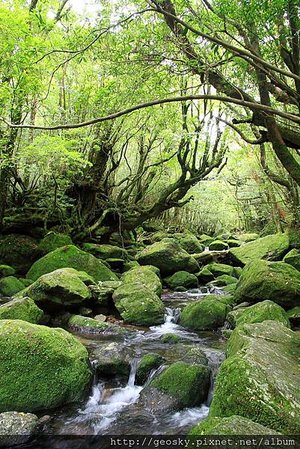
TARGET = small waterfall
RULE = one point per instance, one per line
(172, 315)
(154, 373)
(132, 375)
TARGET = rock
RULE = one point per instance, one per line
(232, 243)
(206, 239)
(111, 359)
(234, 315)
(103, 291)
(170, 338)
(223, 280)
(17, 428)
(145, 276)
(260, 378)
(218, 245)
(156, 402)
(294, 316)
(52, 241)
(193, 355)
(188, 242)
(229, 289)
(233, 425)
(265, 310)
(71, 257)
(188, 384)
(139, 305)
(21, 309)
(131, 264)
(100, 317)
(205, 275)
(218, 269)
(105, 251)
(86, 325)
(85, 311)
(115, 264)
(250, 237)
(65, 286)
(6, 270)
(146, 365)
(41, 368)
(206, 314)
(168, 256)
(293, 258)
(10, 285)
(276, 281)
(19, 251)
(181, 279)
(271, 247)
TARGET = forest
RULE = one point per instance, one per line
(149, 221)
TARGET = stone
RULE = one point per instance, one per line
(86, 325)
(21, 309)
(181, 279)
(10, 285)
(104, 251)
(71, 257)
(17, 428)
(265, 310)
(6, 270)
(40, 368)
(218, 269)
(206, 314)
(146, 365)
(260, 378)
(111, 360)
(52, 241)
(144, 275)
(139, 305)
(293, 258)
(19, 251)
(275, 281)
(188, 242)
(205, 275)
(248, 237)
(103, 291)
(170, 338)
(272, 247)
(218, 245)
(168, 256)
(223, 280)
(294, 316)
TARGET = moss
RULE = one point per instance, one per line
(189, 384)
(40, 368)
(294, 315)
(232, 243)
(6, 270)
(205, 275)
(229, 289)
(181, 279)
(265, 310)
(19, 251)
(53, 241)
(271, 247)
(10, 285)
(260, 378)
(206, 314)
(147, 363)
(139, 305)
(293, 258)
(189, 242)
(105, 251)
(170, 338)
(82, 323)
(168, 256)
(71, 257)
(218, 245)
(250, 237)
(218, 269)
(21, 309)
(145, 276)
(223, 280)
(275, 281)
(131, 264)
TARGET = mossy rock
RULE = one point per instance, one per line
(129, 265)
(294, 315)
(105, 251)
(218, 245)
(271, 247)
(170, 338)
(17, 428)
(223, 280)
(40, 368)
(148, 363)
(139, 305)
(85, 324)
(205, 275)
(65, 286)
(19, 251)
(229, 289)
(274, 281)
(206, 314)
(218, 269)
(189, 242)
(293, 258)
(181, 279)
(103, 292)
(6, 270)
(260, 378)
(168, 256)
(21, 309)
(233, 425)
(71, 257)
(265, 310)
(248, 237)
(205, 239)
(52, 241)
(232, 243)
(10, 285)
(188, 384)
(111, 359)
(144, 275)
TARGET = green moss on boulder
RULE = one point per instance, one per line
(52, 241)
(223, 280)
(10, 285)
(189, 242)
(293, 258)
(104, 251)
(19, 251)
(206, 314)
(88, 325)
(181, 279)
(6, 270)
(21, 309)
(144, 275)
(218, 269)
(147, 363)
(205, 275)
(71, 257)
(265, 310)
(40, 368)
(274, 281)
(218, 245)
(189, 384)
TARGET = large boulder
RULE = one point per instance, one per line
(181, 279)
(19, 251)
(105, 251)
(265, 310)
(71, 257)
(168, 256)
(275, 281)
(65, 286)
(17, 428)
(218, 245)
(21, 309)
(293, 258)
(10, 285)
(260, 378)
(144, 275)
(218, 269)
(206, 314)
(52, 241)
(271, 247)
(138, 304)
(40, 368)
(189, 242)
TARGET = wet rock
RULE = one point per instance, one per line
(41, 368)
(111, 359)
(275, 281)
(10, 285)
(144, 275)
(6, 270)
(19, 251)
(181, 279)
(146, 365)
(71, 257)
(271, 247)
(193, 355)
(168, 256)
(206, 314)
(17, 428)
(21, 309)
(293, 258)
(86, 325)
(156, 401)
(52, 241)
(260, 378)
